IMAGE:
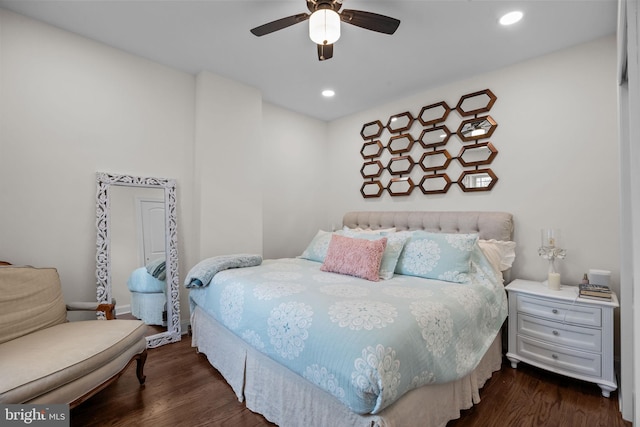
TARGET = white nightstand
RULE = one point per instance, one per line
(559, 332)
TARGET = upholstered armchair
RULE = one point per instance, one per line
(44, 358)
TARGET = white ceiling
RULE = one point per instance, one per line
(437, 42)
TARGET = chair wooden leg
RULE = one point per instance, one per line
(142, 358)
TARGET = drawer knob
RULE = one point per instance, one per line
(554, 311)
(555, 356)
(555, 333)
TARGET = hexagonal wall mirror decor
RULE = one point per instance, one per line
(400, 122)
(400, 165)
(400, 186)
(371, 149)
(389, 164)
(435, 160)
(476, 128)
(477, 180)
(371, 130)
(477, 154)
(476, 103)
(435, 184)
(400, 143)
(372, 169)
(371, 189)
(434, 113)
(434, 137)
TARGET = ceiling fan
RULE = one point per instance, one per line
(324, 23)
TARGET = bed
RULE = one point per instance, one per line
(148, 288)
(321, 361)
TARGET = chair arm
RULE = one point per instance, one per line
(109, 309)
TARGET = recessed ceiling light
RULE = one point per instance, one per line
(328, 93)
(511, 18)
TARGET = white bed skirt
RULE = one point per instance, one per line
(149, 307)
(287, 399)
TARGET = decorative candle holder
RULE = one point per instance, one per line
(550, 251)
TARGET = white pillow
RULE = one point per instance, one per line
(500, 253)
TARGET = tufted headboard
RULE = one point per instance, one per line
(489, 225)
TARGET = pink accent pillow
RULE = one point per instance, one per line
(355, 257)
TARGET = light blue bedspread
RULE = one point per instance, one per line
(141, 281)
(366, 343)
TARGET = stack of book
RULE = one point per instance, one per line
(593, 291)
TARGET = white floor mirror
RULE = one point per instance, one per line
(137, 254)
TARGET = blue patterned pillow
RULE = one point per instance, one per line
(395, 243)
(441, 256)
(317, 249)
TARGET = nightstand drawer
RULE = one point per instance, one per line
(558, 311)
(558, 357)
(560, 333)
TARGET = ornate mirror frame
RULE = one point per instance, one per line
(104, 183)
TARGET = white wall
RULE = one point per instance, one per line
(71, 107)
(294, 184)
(557, 163)
(227, 167)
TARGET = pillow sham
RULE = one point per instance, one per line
(441, 256)
(317, 248)
(500, 253)
(395, 244)
(354, 257)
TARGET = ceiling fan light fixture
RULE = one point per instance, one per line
(324, 26)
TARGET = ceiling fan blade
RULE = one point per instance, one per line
(325, 51)
(370, 21)
(279, 24)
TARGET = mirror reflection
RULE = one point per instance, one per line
(371, 169)
(480, 154)
(400, 122)
(371, 129)
(435, 160)
(400, 144)
(371, 189)
(477, 180)
(475, 103)
(434, 113)
(400, 165)
(371, 149)
(472, 129)
(400, 186)
(138, 265)
(434, 137)
(435, 184)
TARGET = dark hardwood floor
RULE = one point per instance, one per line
(180, 384)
